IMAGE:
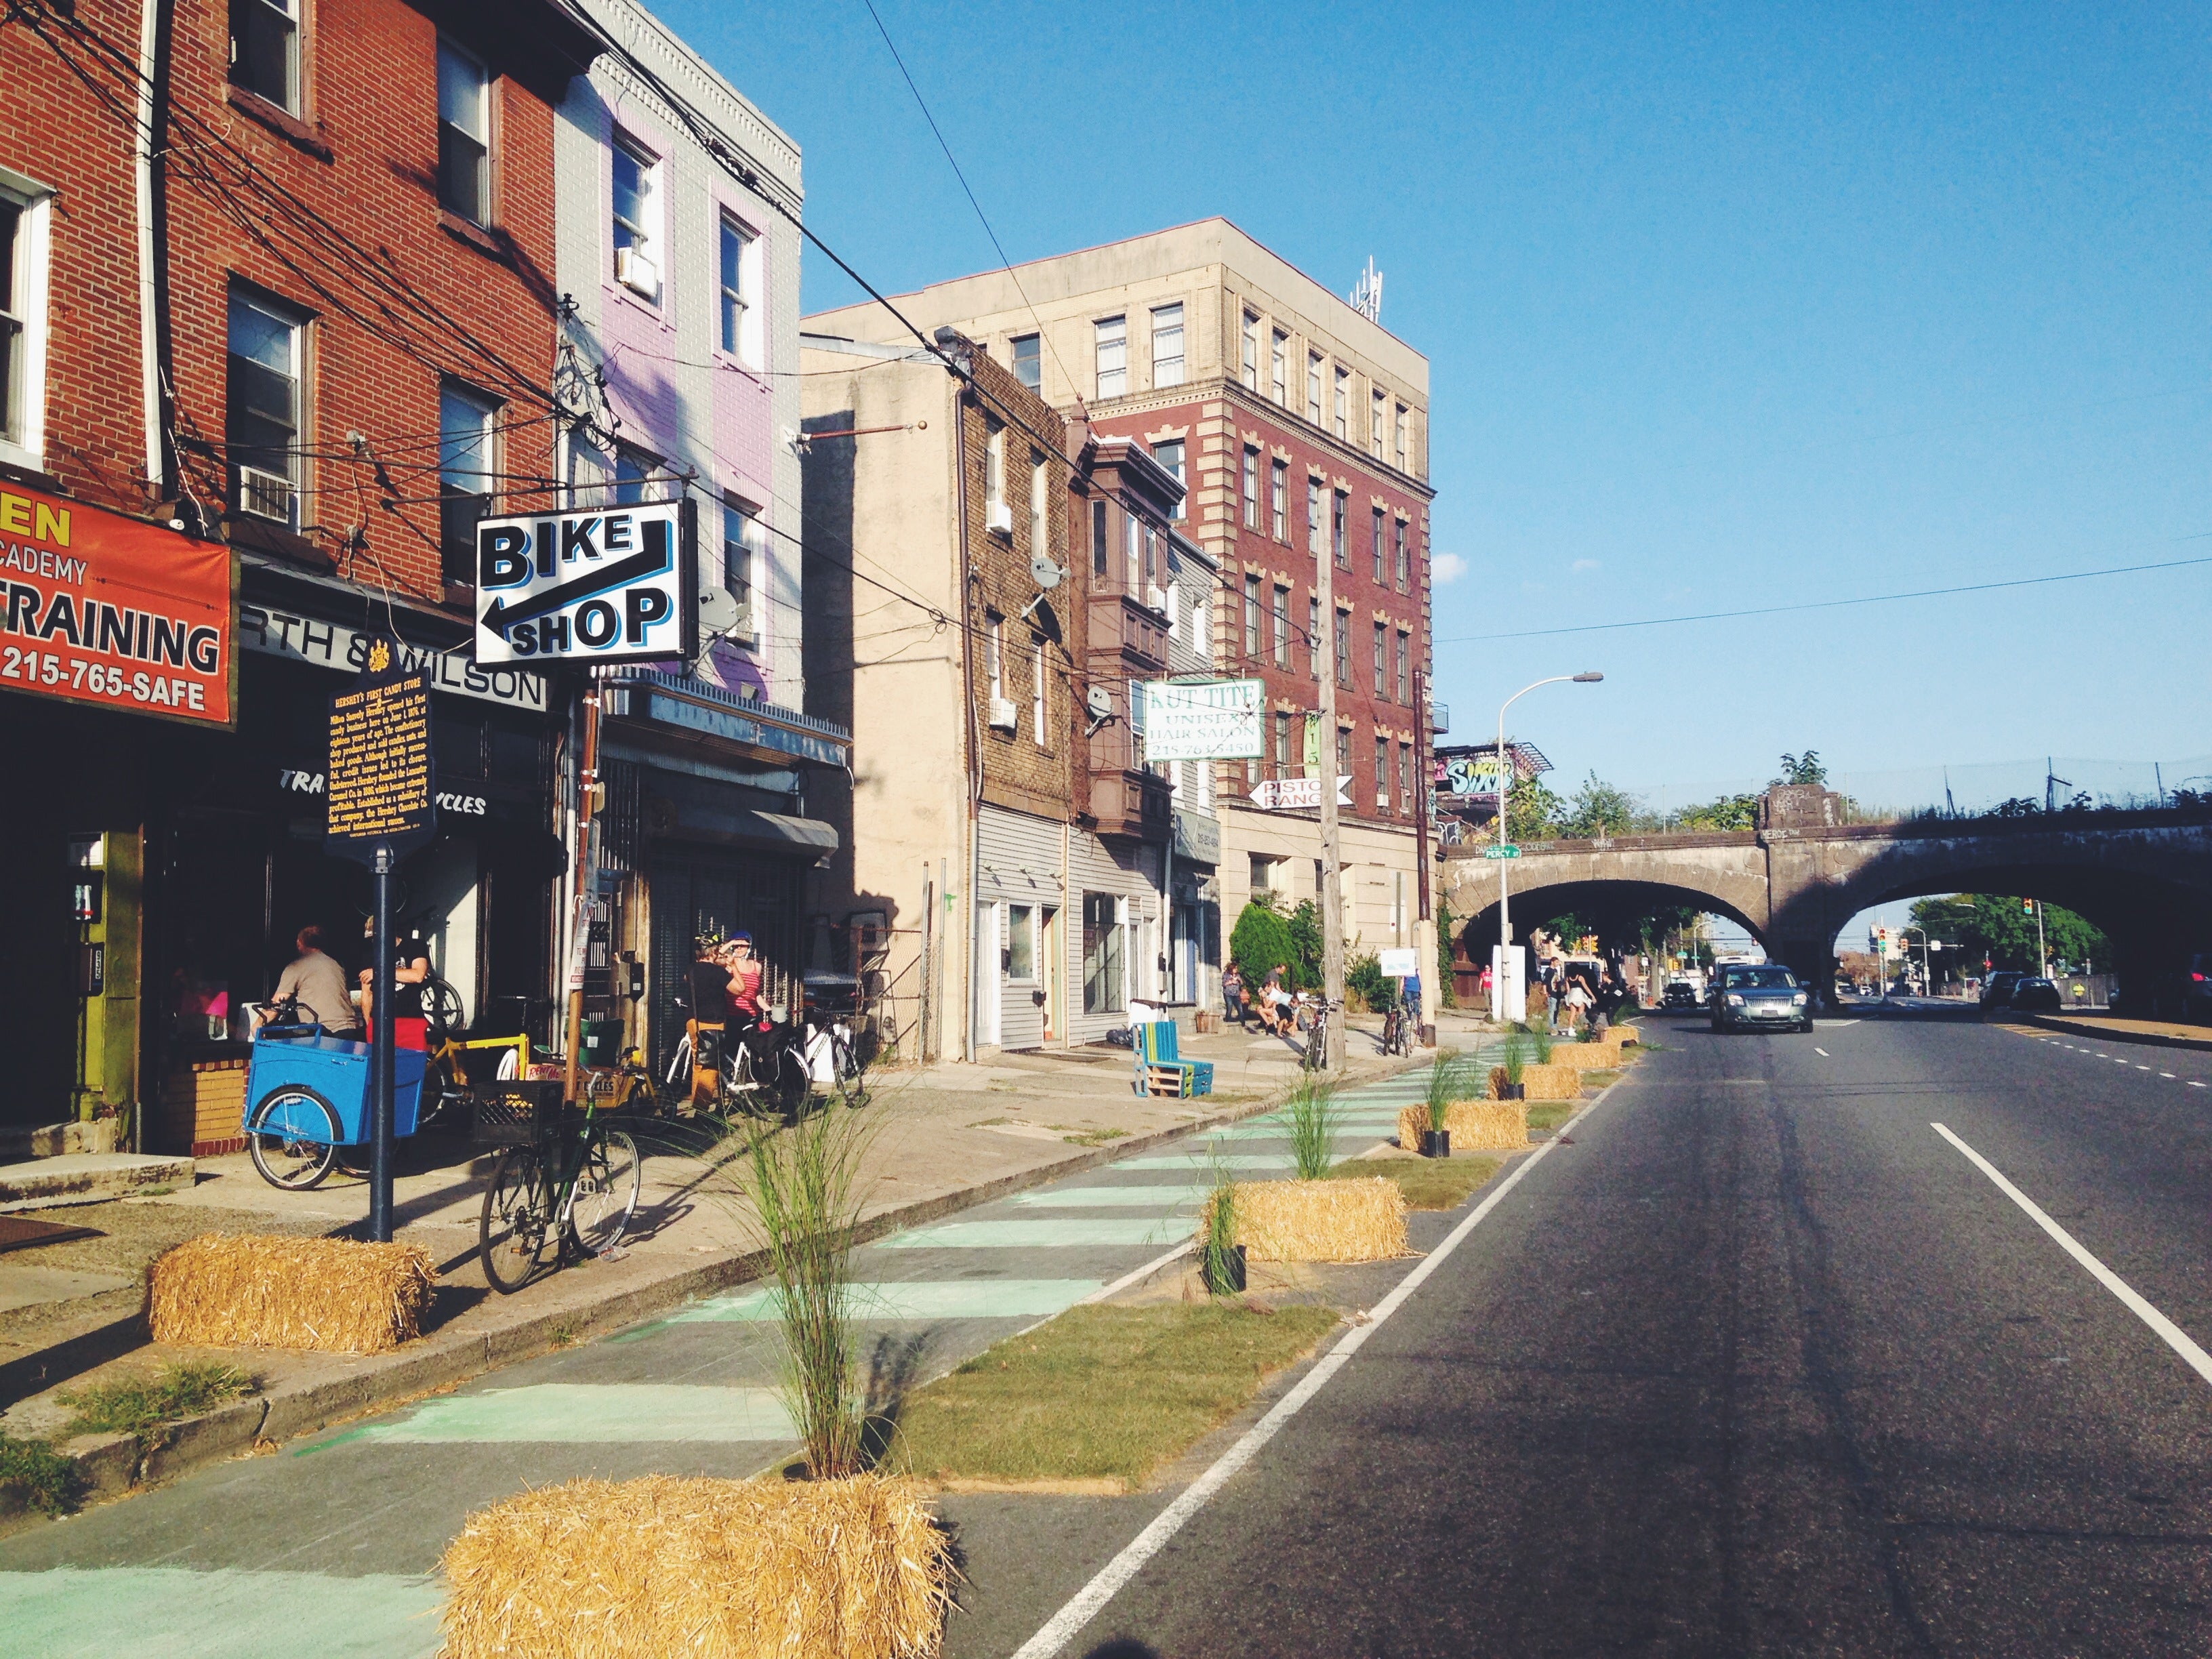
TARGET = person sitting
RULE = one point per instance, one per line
(411, 971)
(316, 986)
(745, 970)
(1278, 1012)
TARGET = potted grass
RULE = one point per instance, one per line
(1506, 1077)
(1220, 1257)
(1444, 1087)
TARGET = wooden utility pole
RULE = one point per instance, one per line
(1332, 905)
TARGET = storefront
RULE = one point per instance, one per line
(1193, 971)
(1020, 902)
(1114, 954)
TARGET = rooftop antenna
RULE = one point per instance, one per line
(1367, 293)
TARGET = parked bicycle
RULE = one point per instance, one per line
(1397, 1030)
(760, 1071)
(1316, 1057)
(571, 1187)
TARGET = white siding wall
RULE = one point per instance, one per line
(1018, 860)
(1132, 874)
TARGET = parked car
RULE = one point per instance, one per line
(1681, 994)
(1760, 996)
(2184, 993)
(2035, 996)
(1997, 992)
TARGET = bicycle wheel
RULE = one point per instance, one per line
(511, 1235)
(441, 1008)
(852, 1083)
(282, 1161)
(794, 1090)
(604, 1197)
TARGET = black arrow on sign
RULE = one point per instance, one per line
(620, 574)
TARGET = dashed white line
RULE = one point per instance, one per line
(2168, 1076)
(1823, 1054)
(2170, 1333)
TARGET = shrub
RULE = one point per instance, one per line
(1306, 945)
(1261, 942)
(48, 1481)
(1363, 980)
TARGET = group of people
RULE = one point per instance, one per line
(313, 989)
(1274, 1004)
(726, 981)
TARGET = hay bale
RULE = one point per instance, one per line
(1475, 1126)
(1553, 1082)
(258, 1291)
(707, 1568)
(1588, 1056)
(1318, 1220)
(1624, 1035)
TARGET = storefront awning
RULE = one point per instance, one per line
(762, 729)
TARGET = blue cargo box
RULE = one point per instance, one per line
(287, 1070)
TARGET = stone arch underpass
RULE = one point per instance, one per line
(2144, 878)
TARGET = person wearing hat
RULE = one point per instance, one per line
(744, 968)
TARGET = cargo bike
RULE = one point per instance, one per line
(307, 1097)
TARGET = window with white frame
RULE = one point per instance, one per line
(1252, 618)
(1405, 775)
(744, 556)
(1169, 454)
(737, 276)
(1343, 396)
(1104, 955)
(1382, 770)
(1020, 958)
(263, 398)
(465, 422)
(1378, 547)
(23, 220)
(1375, 422)
(1251, 488)
(994, 470)
(1382, 659)
(1278, 358)
(1314, 646)
(264, 50)
(1404, 667)
(464, 134)
(1313, 517)
(1402, 423)
(1313, 387)
(636, 473)
(1112, 340)
(995, 643)
(1038, 727)
(637, 217)
(1280, 488)
(1167, 344)
(1040, 494)
(1028, 364)
(1401, 573)
(1134, 550)
(1337, 502)
(1251, 351)
(1282, 626)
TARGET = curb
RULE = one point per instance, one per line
(112, 1466)
(2086, 1027)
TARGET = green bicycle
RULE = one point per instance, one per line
(574, 1189)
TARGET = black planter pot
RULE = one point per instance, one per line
(1513, 1091)
(1223, 1275)
(1436, 1143)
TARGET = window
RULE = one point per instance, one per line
(1401, 556)
(22, 330)
(1098, 542)
(1282, 627)
(1344, 648)
(1251, 351)
(636, 227)
(1040, 494)
(264, 50)
(1313, 517)
(1252, 617)
(1029, 366)
(464, 134)
(1281, 487)
(465, 476)
(263, 408)
(1263, 867)
(1336, 508)
(1313, 636)
(739, 279)
(1019, 960)
(1279, 353)
(1169, 455)
(1282, 746)
(1378, 547)
(1382, 659)
(1382, 770)
(994, 640)
(1401, 437)
(744, 555)
(634, 475)
(1113, 337)
(1405, 775)
(1343, 400)
(994, 468)
(1405, 668)
(1375, 422)
(1102, 957)
(1344, 749)
(1313, 387)
(1251, 488)
(1037, 695)
(1167, 345)
(1133, 550)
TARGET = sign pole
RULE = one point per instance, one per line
(1331, 908)
(1425, 933)
(380, 1058)
(587, 789)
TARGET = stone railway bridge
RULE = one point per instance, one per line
(2145, 877)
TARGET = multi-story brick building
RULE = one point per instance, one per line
(1300, 428)
(294, 345)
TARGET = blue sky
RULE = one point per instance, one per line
(1724, 307)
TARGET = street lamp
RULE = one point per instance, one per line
(1498, 998)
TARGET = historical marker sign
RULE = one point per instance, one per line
(380, 790)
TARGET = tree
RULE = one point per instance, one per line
(1532, 811)
(1260, 943)
(1304, 928)
(2001, 929)
(1598, 809)
(1447, 991)
(1723, 812)
(1806, 767)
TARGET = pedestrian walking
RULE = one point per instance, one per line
(316, 985)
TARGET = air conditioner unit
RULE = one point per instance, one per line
(264, 494)
(637, 273)
(998, 519)
(1003, 716)
(1156, 597)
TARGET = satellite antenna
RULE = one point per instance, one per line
(1045, 573)
(719, 613)
(1098, 703)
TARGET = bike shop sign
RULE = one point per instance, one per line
(613, 586)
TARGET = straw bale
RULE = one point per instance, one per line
(710, 1569)
(1554, 1082)
(1318, 1220)
(259, 1291)
(1475, 1125)
(1602, 1056)
(1625, 1034)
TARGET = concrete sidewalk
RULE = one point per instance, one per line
(2161, 1033)
(950, 1137)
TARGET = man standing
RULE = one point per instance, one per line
(411, 971)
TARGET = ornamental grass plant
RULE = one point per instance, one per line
(1312, 1116)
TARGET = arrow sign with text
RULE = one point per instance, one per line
(1296, 794)
(618, 584)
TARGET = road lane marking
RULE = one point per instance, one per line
(1823, 1054)
(2170, 1333)
(2168, 1076)
(585, 1413)
(1088, 1601)
(903, 1299)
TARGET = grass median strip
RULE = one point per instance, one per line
(1430, 1183)
(1102, 1393)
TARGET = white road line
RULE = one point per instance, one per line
(1108, 1293)
(2168, 1076)
(1087, 1602)
(1823, 1054)
(2139, 1068)
(2194, 1084)
(2170, 1333)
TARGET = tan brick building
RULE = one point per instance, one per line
(1299, 428)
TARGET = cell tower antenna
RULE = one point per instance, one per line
(1367, 293)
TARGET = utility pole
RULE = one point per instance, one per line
(2042, 954)
(1332, 906)
(1424, 930)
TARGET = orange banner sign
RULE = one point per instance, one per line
(98, 609)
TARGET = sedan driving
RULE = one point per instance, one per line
(1763, 997)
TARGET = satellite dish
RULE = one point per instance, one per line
(1099, 702)
(1045, 573)
(719, 612)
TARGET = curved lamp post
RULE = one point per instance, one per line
(1504, 918)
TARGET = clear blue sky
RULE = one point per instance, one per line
(1724, 307)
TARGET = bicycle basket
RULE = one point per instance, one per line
(516, 1112)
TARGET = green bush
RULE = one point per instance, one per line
(1261, 942)
(1306, 945)
(48, 1481)
(1364, 980)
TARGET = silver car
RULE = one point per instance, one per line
(1759, 997)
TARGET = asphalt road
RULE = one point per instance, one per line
(1762, 1363)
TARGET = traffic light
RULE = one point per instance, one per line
(2027, 906)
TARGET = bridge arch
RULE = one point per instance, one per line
(1612, 907)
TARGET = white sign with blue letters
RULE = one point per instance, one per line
(614, 585)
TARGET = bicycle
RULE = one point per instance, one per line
(1316, 1057)
(1397, 1030)
(583, 1209)
(751, 1075)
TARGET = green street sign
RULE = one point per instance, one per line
(1508, 851)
